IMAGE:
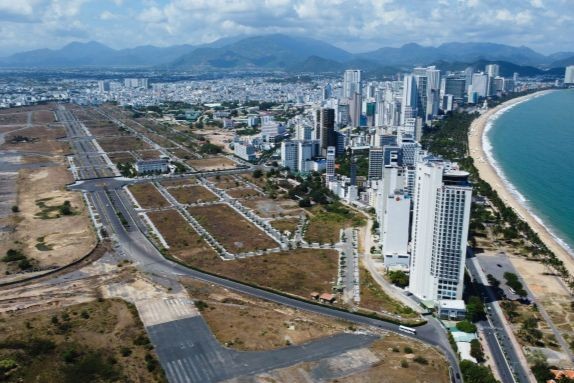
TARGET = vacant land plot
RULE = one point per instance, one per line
(212, 163)
(299, 272)
(388, 360)
(233, 231)
(259, 181)
(116, 144)
(148, 154)
(374, 298)
(36, 139)
(101, 341)
(287, 224)
(122, 157)
(183, 240)
(272, 208)
(176, 182)
(224, 182)
(250, 324)
(14, 118)
(181, 153)
(243, 193)
(43, 117)
(192, 194)
(49, 231)
(148, 196)
(160, 140)
(326, 222)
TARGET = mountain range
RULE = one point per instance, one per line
(288, 53)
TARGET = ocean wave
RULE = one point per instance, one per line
(522, 200)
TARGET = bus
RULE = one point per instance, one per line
(406, 329)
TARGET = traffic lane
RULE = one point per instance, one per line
(497, 322)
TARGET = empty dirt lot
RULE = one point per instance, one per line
(183, 240)
(237, 234)
(192, 194)
(116, 144)
(148, 196)
(250, 324)
(212, 163)
(43, 234)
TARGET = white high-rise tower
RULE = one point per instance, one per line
(441, 215)
(351, 83)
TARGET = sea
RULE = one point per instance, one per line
(531, 145)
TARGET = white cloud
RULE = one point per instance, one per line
(107, 15)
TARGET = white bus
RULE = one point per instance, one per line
(406, 329)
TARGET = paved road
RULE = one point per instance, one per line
(496, 333)
(150, 260)
(190, 353)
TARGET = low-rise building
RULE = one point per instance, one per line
(152, 166)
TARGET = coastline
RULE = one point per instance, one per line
(480, 151)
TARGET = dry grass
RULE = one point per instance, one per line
(233, 231)
(39, 139)
(176, 182)
(84, 342)
(122, 157)
(192, 194)
(148, 154)
(212, 163)
(183, 240)
(389, 369)
(117, 144)
(250, 324)
(326, 223)
(374, 298)
(148, 196)
(287, 224)
(224, 182)
(243, 193)
(272, 208)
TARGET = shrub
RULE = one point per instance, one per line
(466, 326)
(13, 256)
(420, 360)
(15, 209)
(408, 350)
(404, 364)
(125, 351)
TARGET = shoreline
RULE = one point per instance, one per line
(480, 151)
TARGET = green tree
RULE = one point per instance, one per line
(399, 278)
(473, 373)
(466, 326)
(476, 350)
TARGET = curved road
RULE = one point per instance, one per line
(150, 260)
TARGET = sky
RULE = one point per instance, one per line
(355, 25)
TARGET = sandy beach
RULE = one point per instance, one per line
(489, 174)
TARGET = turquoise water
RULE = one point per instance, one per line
(533, 144)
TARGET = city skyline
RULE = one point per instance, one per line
(356, 27)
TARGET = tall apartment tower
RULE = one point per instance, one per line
(355, 109)
(331, 155)
(326, 128)
(439, 231)
(351, 83)
(569, 75)
(409, 101)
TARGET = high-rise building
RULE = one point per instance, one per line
(455, 86)
(439, 232)
(296, 154)
(409, 100)
(375, 163)
(492, 70)
(480, 84)
(422, 95)
(289, 155)
(331, 155)
(304, 132)
(395, 230)
(569, 75)
(325, 129)
(351, 83)
(355, 107)
(103, 86)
